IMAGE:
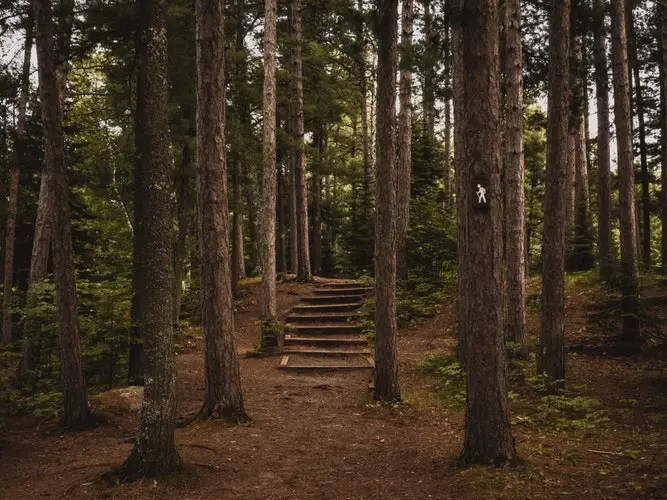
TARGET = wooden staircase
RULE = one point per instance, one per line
(326, 332)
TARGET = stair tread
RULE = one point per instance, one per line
(329, 352)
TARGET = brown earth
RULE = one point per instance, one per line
(318, 435)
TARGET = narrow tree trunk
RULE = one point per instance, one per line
(404, 143)
(222, 389)
(317, 225)
(238, 260)
(267, 223)
(514, 177)
(447, 181)
(301, 187)
(280, 212)
(386, 359)
(663, 136)
(154, 453)
(488, 437)
(77, 413)
(430, 41)
(182, 205)
(603, 143)
(12, 202)
(639, 106)
(630, 287)
(550, 353)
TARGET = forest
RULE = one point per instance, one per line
(333, 249)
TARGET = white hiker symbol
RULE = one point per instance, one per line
(481, 194)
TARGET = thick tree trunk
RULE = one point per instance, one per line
(404, 143)
(182, 206)
(514, 177)
(267, 223)
(222, 389)
(663, 137)
(630, 287)
(301, 187)
(154, 453)
(550, 352)
(603, 143)
(386, 359)
(77, 413)
(639, 107)
(488, 437)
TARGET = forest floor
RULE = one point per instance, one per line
(321, 437)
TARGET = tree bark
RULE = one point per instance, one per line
(488, 437)
(77, 413)
(447, 181)
(430, 51)
(550, 354)
(154, 453)
(301, 187)
(12, 202)
(630, 287)
(222, 389)
(639, 106)
(514, 177)
(663, 136)
(603, 143)
(267, 223)
(386, 360)
(182, 206)
(404, 143)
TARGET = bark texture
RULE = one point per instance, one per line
(663, 137)
(77, 413)
(300, 185)
(154, 453)
(386, 360)
(488, 437)
(514, 176)
(626, 185)
(603, 143)
(404, 144)
(550, 354)
(12, 202)
(222, 389)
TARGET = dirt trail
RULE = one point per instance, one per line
(316, 436)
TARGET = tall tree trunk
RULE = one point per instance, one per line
(460, 171)
(222, 389)
(238, 260)
(386, 359)
(301, 187)
(603, 143)
(280, 212)
(154, 453)
(182, 206)
(365, 138)
(481, 226)
(430, 41)
(639, 106)
(447, 181)
(404, 143)
(294, 238)
(12, 202)
(550, 353)
(514, 177)
(267, 223)
(630, 287)
(77, 413)
(317, 224)
(663, 136)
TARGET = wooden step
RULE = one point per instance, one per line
(322, 317)
(342, 291)
(342, 284)
(306, 330)
(319, 308)
(332, 299)
(340, 341)
(328, 352)
(301, 364)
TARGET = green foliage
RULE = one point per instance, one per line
(367, 317)
(450, 375)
